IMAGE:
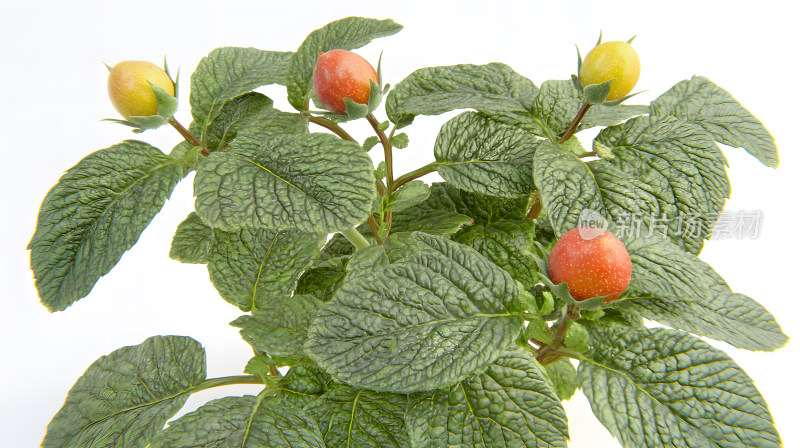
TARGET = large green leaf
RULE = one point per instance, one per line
(434, 317)
(125, 398)
(558, 102)
(509, 405)
(281, 328)
(700, 101)
(346, 34)
(229, 72)
(358, 418)
(660, 387)
(508, 244)
(315, 183)
(251, 267)
(94, 214)
(494, 88)
(191, 241)
(481, 155)
(243, 422)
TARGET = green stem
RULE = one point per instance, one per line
(417, 173)
(387, 151)
(228, 381)
(575, 122)
(355, 237)
(331, 126)
(188, 136)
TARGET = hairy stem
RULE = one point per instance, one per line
(373, 225)
(417, 173)
(188, 136)
(331, 126)
(355, 237)
(575, 122)
(387, 151)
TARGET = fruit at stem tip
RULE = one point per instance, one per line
(341, 74)
(130, 92)
(611, 60)
(592, 261)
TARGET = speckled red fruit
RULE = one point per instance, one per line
(592, 261)
(341, 74)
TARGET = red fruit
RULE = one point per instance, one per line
(341, 74)
(592, 261)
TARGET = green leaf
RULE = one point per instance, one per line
(252, 267)
(563, 378)
(558, 102)
(94, 214)
(369, 143)
(243, 422)
(408, 195)
(125, 398)
(660, 387)
(358, 418)
(494, 88)
(314, 183)
(229, 72)
(191, 241)
(282, 328)
(303, 384)
(507, 243)
(510, 405)
(399, 141)
(700, 101)
(481, 155)
(576, 337)
(223, 127)
(321, 281)
(687, 294)
(346, 34)
(426, 321)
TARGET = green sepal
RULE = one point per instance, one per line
(167, 105)
(597, 93)
(561, 290)
(576, 81)
(619, 101)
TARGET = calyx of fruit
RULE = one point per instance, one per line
(592, 261)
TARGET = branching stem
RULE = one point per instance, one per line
(188, 136)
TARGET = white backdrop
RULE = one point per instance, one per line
(52, 94)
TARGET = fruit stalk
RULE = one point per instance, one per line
(188, 136)
(575, 122)
(331, 126)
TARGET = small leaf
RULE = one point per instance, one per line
(408, 195)
(346, 34)
(315, 183)
(660, 387)
(233, 114)
(303, 384)
(94, 214)
(369, 143)
(428, 320)
(252, 267)
(244, 422)
(510, 405)
(698, 100)
(229, 72)
(563, 378)
(383, 126)
(282, 328)
(576, 337)
(494, 88)
(191, 241)
(358, 418)
(125, 398)
(399, 141)
(484, 156)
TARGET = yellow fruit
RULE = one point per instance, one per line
(612, 60)
(130, 92)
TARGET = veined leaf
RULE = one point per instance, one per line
(125, 398)
(229, 72)
(358, 418)
(346, 34)
(281, 328)
(700, 101)
(191, 241)
(509, 405)
(558, 102)
(563, 377)
(94, 214)
(426, 321)
(481, 155)
(252, 267)
(315, 183)
(508, 244)
(494, 88)
(303, 384)
(660, 387)
(243, 422)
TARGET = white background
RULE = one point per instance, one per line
(53, 94)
